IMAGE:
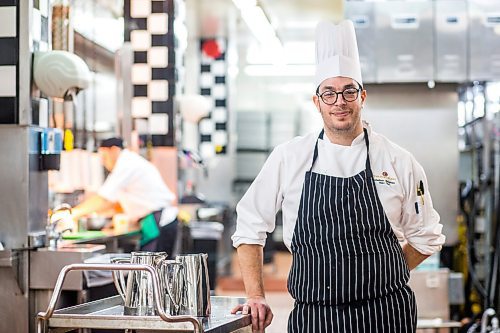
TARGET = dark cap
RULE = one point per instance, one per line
(112, 142)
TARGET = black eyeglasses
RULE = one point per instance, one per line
(330, 97)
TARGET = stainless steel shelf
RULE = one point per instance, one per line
(108, 314)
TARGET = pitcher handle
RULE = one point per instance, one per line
(120, 284)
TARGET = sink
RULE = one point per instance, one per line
(70, 247)
(46, 264)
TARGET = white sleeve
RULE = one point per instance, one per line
(419, 220)
(116, 181)
(256, 211)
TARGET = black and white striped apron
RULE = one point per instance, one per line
(348, 272)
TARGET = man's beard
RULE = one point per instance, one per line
(352, 123)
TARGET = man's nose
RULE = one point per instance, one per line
(340, 100)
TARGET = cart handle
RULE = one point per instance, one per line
(44, 316)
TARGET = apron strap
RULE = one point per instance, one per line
(368, 167)
(367, 141)
(315, 156)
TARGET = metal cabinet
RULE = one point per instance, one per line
(362, 15)
(249, 164)
(451, 23)
(252, 130)
(484, 40)
(282, 127)
(405, 41)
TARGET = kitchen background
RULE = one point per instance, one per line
(431, 69)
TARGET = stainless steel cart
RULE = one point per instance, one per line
(108, 313)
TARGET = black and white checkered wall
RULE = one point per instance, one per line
(149, 29)
(9, 60)
(10, 55)
(213, 68)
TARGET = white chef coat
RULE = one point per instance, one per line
(396, 174)
(138, 186)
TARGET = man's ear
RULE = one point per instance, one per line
(363, 97)
(315, 100)
(116, 150)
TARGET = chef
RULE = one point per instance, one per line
(138, 187)
(357, 212)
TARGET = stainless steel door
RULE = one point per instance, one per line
(450, 22)
(362, 15)
(484, 40)
(405, 41)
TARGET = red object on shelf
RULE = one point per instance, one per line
(211, 48)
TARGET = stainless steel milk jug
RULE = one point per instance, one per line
(194, 285)
(172, 283)
(138, 293)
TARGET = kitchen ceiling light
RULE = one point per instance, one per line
(244, 4)
(261, 28)
(280, 70)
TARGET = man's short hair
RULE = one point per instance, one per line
(112, 142)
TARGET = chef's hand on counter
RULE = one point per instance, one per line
(250, 257)
(260, 311)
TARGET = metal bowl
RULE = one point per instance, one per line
(94, 222)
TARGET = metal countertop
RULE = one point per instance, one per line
(108, 314)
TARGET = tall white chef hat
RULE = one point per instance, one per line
(337, 52)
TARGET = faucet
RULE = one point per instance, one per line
(52, 235)
(484, 321)
(61, 207)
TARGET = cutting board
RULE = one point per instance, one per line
(84, 234)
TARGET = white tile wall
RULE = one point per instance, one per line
(141, 107)
(158, 57)
(207, 149)
(140, 8)
(158, 23)
(206, 126)
(207, 80)
(158, 90)
(8, 21)
(141, 74)
(158, 123)
(141, 126)
(219, 115)
(219, 91)
(7, 81)
(140, 40)
(37, 25)
(219, 138)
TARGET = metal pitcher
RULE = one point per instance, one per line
(172, 285)
(138, 293)
(194, 285)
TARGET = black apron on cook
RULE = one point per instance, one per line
(348, 273)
